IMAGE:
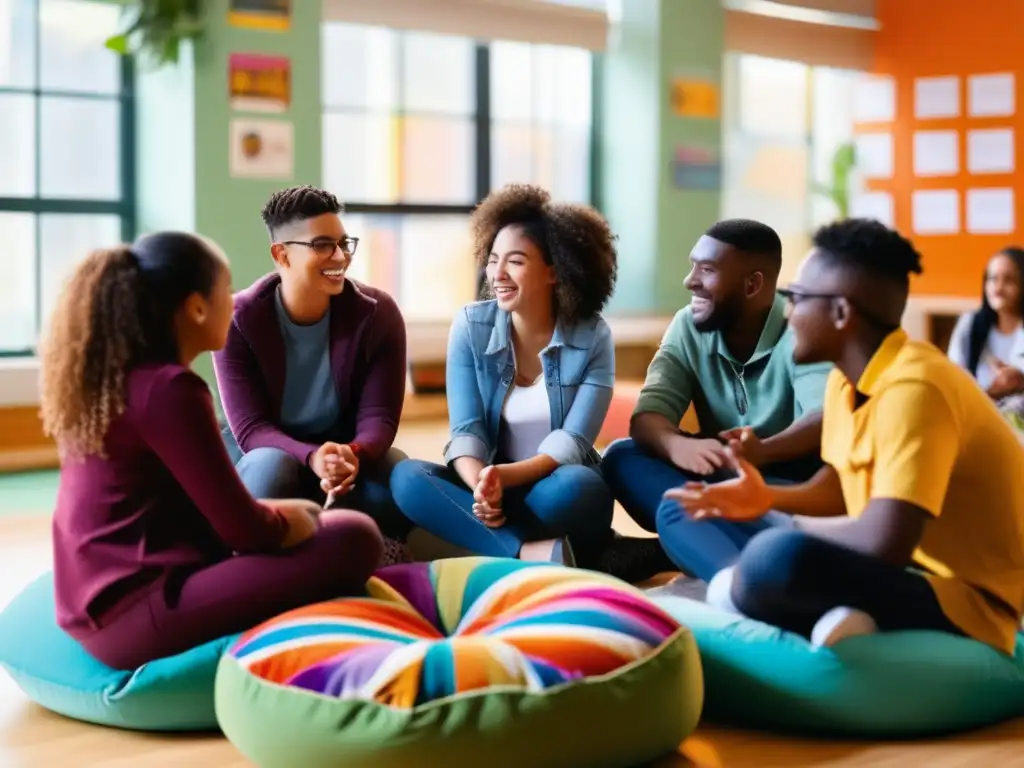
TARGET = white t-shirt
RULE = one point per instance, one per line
(526, 421)
(1001, 346)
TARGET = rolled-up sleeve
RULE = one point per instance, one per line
(583, 422)
(668, 388)
(465, 404)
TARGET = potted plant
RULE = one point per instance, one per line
(157, 28)
(844, 160)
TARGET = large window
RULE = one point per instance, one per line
(784, 121)
(418, 127)
(64, 153)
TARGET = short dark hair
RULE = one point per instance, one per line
(749, 236)
(575, 239)
(297, 204)
(871, 247)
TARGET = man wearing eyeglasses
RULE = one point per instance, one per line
(312, 378)
(729, 354)
(916, 521)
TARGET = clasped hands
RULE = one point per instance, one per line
(487, 497)
(337, 466)
(743, 498)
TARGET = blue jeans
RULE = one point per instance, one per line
(700, 548)
(790, 579)
(270, 473)
(572, 501)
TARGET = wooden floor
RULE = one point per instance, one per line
(33, 738)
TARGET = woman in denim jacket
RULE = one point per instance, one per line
(529, 381)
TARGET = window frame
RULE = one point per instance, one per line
(482, 121)
(124, 207)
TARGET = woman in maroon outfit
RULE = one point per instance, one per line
(157, 545)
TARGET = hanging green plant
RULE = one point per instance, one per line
(844, 160)
(157, 28)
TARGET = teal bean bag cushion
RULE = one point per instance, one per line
(54, 671)
(888, 685)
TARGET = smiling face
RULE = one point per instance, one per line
(1003, 284)
(517, 273)
(314, 254)
(718, 282)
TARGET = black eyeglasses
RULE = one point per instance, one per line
(794, 297)
(326, 247)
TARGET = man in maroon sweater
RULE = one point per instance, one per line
(312, 378)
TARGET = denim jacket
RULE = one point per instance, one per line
(579, 368)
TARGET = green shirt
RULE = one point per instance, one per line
(768, 392)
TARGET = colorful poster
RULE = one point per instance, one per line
(258, 83)
(695, 98)
(697, 168)
(260, 14)
(262, 149)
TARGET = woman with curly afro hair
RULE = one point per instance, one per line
(529, 379)
(158, 547)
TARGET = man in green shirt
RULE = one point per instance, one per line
(729, 354)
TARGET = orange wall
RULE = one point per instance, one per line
(930, 38)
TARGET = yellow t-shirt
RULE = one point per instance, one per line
(928, 435)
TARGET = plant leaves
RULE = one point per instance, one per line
(118, 44)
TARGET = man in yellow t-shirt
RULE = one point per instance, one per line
(917, 519)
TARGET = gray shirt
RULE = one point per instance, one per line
(310, 403)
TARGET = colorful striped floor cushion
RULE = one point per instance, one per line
(468, 661)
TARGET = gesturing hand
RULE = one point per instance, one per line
(741, 499)
(487, 498)
(699, 456)
(752, 445)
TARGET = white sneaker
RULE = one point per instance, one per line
(719, 593)
(839, 624)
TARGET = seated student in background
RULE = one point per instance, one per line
(313, 375)
(529, 381)
(157, 545)
(917, 519)
(989, 343)
(729, 353)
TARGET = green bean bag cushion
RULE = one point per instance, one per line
(465, 662)
(887, 685)
(54, 671)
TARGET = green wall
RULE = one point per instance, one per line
(656, 42)
(183, 115)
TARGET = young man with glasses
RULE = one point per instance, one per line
(729, 353)
(916, 521)
(312, 378)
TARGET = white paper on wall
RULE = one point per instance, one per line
(936, 212)
(875, 155)
(990, 211)
(936, 153)
(873, 205)
(992, 95)
(991, 150)
(936, 97)
(875, 100)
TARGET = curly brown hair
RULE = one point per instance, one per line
(114, 312)
(575, 239)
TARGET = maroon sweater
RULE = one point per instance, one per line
(165, 501)
(368, 359)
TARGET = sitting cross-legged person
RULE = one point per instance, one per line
(916, 521)
(729, 354)
(157, 545)
(313, 375)
(529, 382)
